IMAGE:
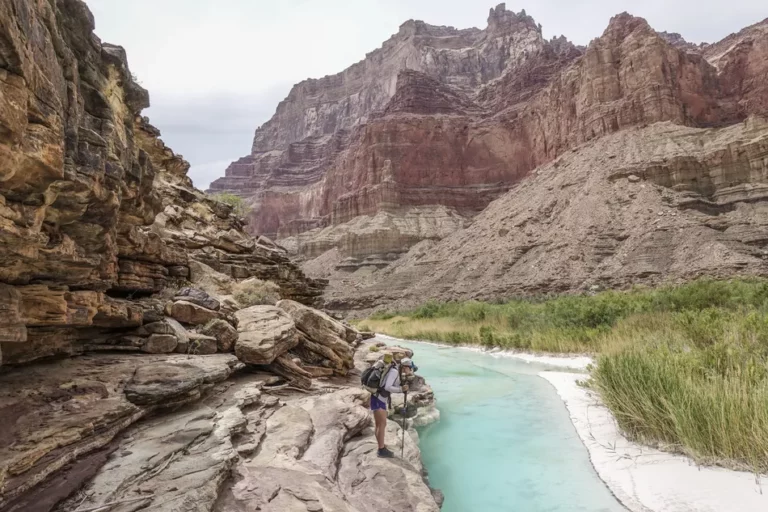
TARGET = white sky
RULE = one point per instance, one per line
(216, 69)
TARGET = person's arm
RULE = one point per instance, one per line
(392, 382)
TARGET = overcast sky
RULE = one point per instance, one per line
(216, 69)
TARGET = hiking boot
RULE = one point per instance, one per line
(384, 453)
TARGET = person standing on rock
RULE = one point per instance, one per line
(391, 383)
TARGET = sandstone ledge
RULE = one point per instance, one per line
(192, 432)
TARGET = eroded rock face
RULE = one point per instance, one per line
(321, 180)
(95, 211)
(421, 71)
(84, 437)
(662, 203)
(742, 64)
(264, 333)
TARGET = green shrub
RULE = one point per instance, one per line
(488, 337)
(238, 204)
(254, 292)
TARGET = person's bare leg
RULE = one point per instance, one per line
(380, 418)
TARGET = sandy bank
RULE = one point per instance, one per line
(648, 480)
(571, 362)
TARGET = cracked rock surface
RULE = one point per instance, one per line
(190, 433)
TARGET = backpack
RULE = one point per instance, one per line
(373, 377)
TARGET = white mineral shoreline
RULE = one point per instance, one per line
(565, 361)
(648, 480)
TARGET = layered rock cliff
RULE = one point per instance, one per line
(664, 203)
(94, 209)
(450, 139)
(396, 132)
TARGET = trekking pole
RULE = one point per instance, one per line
(405, 411)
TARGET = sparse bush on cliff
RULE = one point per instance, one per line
(238, 204)
(255, 292)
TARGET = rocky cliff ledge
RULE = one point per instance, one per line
(154, 355)
(198, 433)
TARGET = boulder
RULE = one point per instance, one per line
(199, 297)
(200, 344)
(177, 380)
(178, 330)
(225, 334)
(193, 314)
(159, 327)
(321, 328)
(264, 333)
(160, 344)
(288, 368)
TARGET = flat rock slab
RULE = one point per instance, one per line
(51, 414)
(178, 461)
(362, 475)
(191, 314)
(284, 490)
(264, 333)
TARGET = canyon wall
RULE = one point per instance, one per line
(458, 137)
(408, 144)
(96, 214)
(646, 205)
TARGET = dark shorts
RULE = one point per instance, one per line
(377, 404)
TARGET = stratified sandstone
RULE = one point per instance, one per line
(742, 63)
(645, 205)
(96, 213)
(398, 128)
(328, 172)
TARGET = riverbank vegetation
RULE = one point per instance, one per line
(683, 367)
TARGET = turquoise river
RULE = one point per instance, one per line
(505, 441)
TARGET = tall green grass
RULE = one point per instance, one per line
(682, 367)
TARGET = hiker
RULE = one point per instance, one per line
(390, 383)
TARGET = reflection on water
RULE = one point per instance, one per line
(504, 441)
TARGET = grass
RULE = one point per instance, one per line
(684, 368)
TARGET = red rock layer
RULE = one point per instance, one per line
(439, 140)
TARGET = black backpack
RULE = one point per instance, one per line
(373, 378)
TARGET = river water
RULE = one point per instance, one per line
(505, 441)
